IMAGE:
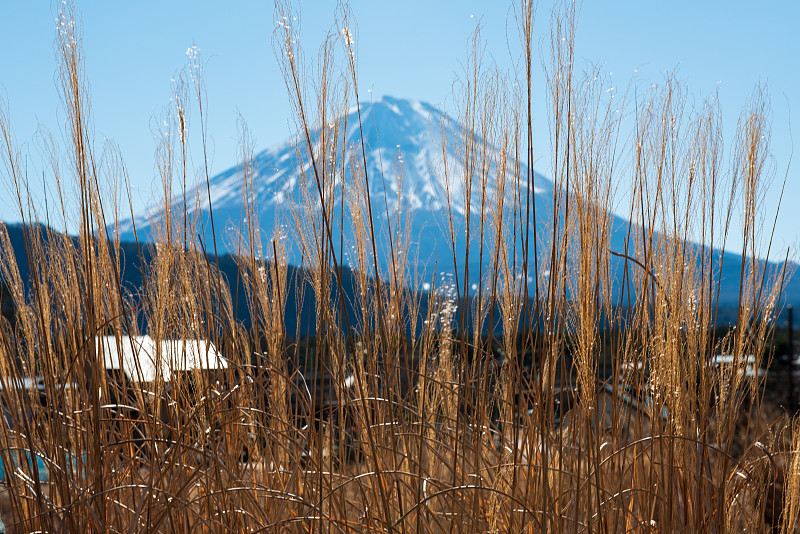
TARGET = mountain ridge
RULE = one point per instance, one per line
(406, 158)
(407, 147)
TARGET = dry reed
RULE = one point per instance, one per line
(443, 430)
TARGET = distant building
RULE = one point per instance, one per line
(141, 359)
(746, 363)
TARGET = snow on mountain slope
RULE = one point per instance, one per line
(398, 135)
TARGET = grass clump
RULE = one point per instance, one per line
(448, 429)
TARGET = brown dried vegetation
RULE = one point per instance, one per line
(462, 451)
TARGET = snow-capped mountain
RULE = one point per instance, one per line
(410, 170)
(414, 156)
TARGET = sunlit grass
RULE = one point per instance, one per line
(444, 430)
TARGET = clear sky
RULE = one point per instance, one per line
(411, 49)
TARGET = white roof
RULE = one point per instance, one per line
(141, 358)
(718, 359)
(25, 382)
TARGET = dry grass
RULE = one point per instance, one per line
(477, 444)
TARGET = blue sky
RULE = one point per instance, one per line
(411, 49)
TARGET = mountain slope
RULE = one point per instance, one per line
(412, 173)
(406, 163)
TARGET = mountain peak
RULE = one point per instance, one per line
(408, 147)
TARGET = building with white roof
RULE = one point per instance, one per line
(141, 359)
